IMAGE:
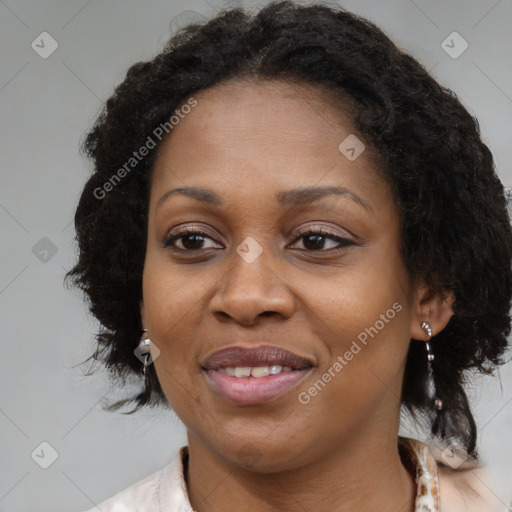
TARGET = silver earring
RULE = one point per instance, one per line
(144, 348)
(438, 403)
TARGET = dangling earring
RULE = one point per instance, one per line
(144, 350)
(438, 403)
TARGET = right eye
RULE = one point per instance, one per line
(191, 240)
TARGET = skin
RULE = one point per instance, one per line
(247, 142)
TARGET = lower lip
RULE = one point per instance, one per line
(254, 390)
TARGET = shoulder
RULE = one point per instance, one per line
(445, 488)
(466, 490)
(147, 494)
(143, 493)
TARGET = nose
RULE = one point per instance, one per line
(250, 291)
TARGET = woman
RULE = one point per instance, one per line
(291, 232)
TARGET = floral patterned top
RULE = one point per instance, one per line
(427, 481)
(166, 490)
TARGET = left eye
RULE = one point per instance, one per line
(315, 240)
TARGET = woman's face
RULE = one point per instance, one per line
(252, 278)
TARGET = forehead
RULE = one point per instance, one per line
(255, 109)
(251, 134)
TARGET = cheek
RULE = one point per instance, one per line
(364, 299)
(172, 296)
(362, 374)
(362, 315)
(172, 308)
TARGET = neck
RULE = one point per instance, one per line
(363, 473)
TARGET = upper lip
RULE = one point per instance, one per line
(260, 356)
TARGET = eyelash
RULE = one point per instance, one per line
(343, 242)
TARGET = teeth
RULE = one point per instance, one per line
(260, 371)
(242, 371)
(257, 371)
(275, 369)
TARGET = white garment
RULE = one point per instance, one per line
(162, 491)
(439, 488)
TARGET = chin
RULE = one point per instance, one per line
(266, 456)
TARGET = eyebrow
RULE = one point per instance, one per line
(295, 197)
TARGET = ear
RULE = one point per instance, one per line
(434, 308)
(142, 314)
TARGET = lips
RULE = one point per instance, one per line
(255, 357)
(230, 373)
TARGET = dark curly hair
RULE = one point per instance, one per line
(456, 231)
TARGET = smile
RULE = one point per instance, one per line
(247, 389)
(257, 371)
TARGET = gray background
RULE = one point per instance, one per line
(46, 106)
